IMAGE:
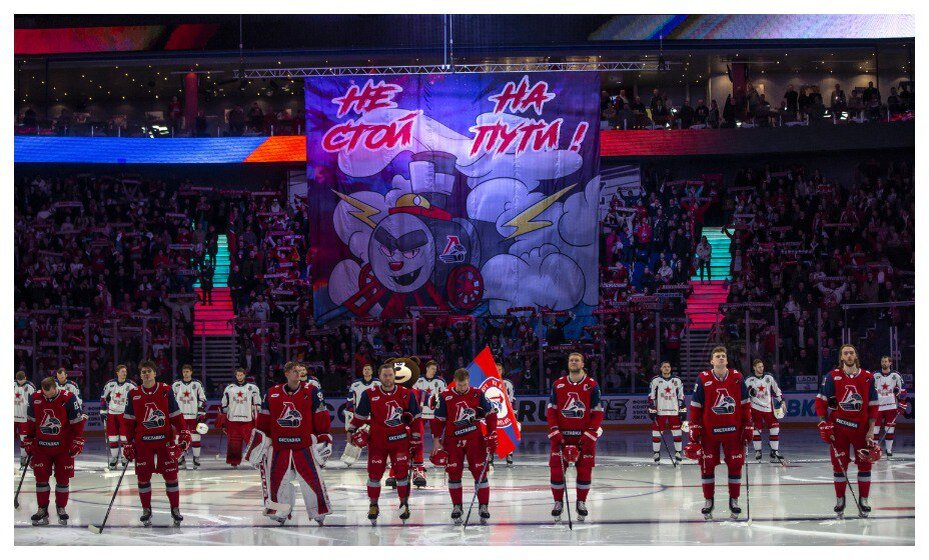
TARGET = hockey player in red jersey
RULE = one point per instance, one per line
(53, 437)
(392, 414)
(574, 416)
(847, 406)
(457, 435)
(152, 420)
(720, 417)
(288, 445)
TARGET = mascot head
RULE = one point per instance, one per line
(406, 370)
(402, 253)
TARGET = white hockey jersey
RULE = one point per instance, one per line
(71, 387)
(240, 402)
(666, 395)
(510, 393)
(889, 388)
(23, 394)
(190, 397)
(763, 391)
(356, 389)
(115, 395)
(431, 389)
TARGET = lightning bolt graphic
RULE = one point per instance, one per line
(523, 221)
(364, 212)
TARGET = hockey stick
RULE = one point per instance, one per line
(476, 485)
(748, 491)
(668, 449)
(21, 479)
(564, 478)
(98, 529)
(848, 483)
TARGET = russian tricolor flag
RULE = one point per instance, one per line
(483, 372)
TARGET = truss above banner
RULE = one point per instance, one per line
(452, 69)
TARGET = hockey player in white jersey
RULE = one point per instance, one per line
(767, 408)
(666, 409)
(240, 404)
(112, 406)
(430, 386)
(892, 400)
(22, 391)
(359, 386)
(65, 384)
(510, 394)
(191, 398)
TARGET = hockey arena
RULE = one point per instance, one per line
(295, 279)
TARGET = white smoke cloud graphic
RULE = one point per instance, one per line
(555, 266)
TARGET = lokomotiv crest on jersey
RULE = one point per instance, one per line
(724, 403)
(465, 416)
(290, 417)
(574, 408)
(851, 401)
(394, 416)
(51, 425)
(154, 418)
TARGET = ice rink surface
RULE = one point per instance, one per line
(632, 501)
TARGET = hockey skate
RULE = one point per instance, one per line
(839, 508)
(734, 509)
(707, 509)
(176, 516)
(419, 477)
(581, 510)
(112, 464)
(373, 512)
(40, 517)
(484, 512)
(404, 511)
(776, 457)
(273, 516)
(556, 511)
(196, 463)
(391, 482)
(509, 459)
(889, 454)
(457, 511)
(656, 457)
(320, 520)
(62, 516)
(146, 518)
(758, 455)
(124, 462)
(678, 457)
(182, 464)
(865, 507)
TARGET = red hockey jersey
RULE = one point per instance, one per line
(848, 400)
(289, 417)
(384, 411)
(456, 415)
(574, 407)
(152, 416)
(54, 423)
(722, 407)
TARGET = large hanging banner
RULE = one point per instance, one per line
(472, 193)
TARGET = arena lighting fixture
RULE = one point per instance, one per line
(480, 68)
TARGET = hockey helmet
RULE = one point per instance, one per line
(439, 457)
(571, 454)
(693, 451)
(870, 454)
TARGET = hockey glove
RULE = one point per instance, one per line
(589, 441)
(103, 414)
(652, 414)
(183, 440)
(29, 445)
(77, 446)
(825, 432)
(696, 433)
(555, 437)
(748, 434)
(901, 408)
(490, 442)
(360, 437)
(129, 451)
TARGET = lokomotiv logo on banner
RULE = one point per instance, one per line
(472, 193)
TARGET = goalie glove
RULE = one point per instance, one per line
(321, 448)
(258, 447)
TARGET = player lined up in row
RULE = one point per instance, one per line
(291, 440)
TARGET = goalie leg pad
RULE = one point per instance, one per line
(258, 446)
(315, 497)
(281, 495)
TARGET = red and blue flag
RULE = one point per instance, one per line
(483, 372)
